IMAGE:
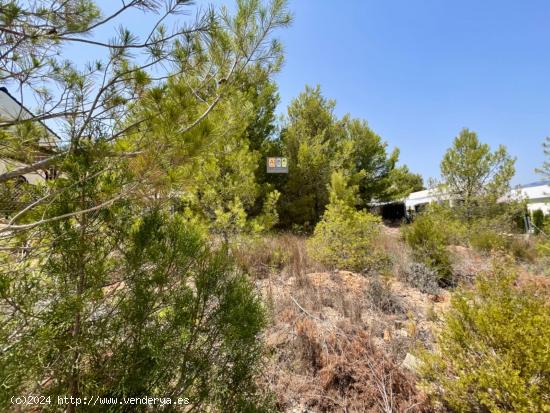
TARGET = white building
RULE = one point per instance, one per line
(416, 200)
(12, 110)
(536, 194)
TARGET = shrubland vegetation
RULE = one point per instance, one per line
(165, 261)
(111, 284)
(493, 349)
(345, 237)
(429, 235)
(471, 211)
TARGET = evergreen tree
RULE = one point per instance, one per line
(310, 140)
(381, 179)
(317, 143)
(345, 238)
(475, 176)
(545, 169)
(102, 292)
(127, 306)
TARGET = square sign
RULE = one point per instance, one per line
(277, 165)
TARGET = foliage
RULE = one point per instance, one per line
(522, 249)
(381, 297)
(492, 352)
(423, 278)
(346, 238)
(538, 220)
(364, 153)
(487, 240)
(102, 292)
(219, 181)
(342, 189)
(429, 235)
(309, 143)
(260, 255)
(474, 175)
(403, 182)
(228, 188)
(545, 169)
(543, 248)
(143, 321)
(543, 243)
(490, 235)
(317, 144)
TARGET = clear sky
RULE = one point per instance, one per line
(420, 70)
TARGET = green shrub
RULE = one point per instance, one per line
(260, 255)
(543, 248)
(487, 240)
(345, 239)
(522, 249)
(177, 319)
(428, 236)
(538, 220)
(493, 353)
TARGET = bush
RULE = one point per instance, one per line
(345, 239)
(258, 256)
(428, 236)
(493, 349)
(423, 278)
(381, 297)
(522, 249)
(538, 220)
(487, 240)
(166, 315)
(543, 248)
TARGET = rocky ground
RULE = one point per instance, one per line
(346, 342)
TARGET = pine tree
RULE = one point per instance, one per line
(545, 169)
(102, 291)
(474, 176)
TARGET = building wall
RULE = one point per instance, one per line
(10, 110)
(537, 196)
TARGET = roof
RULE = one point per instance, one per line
(13, 109)
(534, 184)
(533, 192)
(424, 197)
(539, 192)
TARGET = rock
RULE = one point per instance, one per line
(436, 298)
(401, 333)
(398, 324)
(411, 363)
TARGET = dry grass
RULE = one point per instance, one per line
(400, 254)
(332, 349)
(336, 343)
(274, 254)
(339, 369)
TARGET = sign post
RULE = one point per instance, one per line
(277, 165)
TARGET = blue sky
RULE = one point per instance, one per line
(421, 70)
